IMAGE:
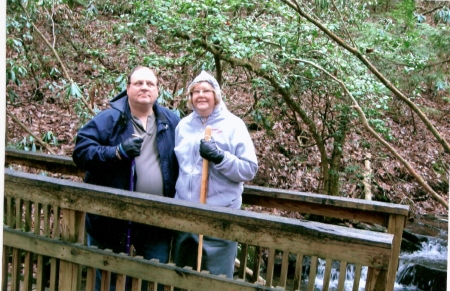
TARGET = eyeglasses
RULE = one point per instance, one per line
(205, 92)
(141, 83)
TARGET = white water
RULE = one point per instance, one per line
(433, 252)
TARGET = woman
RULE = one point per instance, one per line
(232, 162)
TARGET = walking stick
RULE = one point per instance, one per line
(203, 191)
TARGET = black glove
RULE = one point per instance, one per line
(210, 151)
(131, 147)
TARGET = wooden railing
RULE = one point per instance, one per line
(252, 230)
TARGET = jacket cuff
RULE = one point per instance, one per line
(112, 153)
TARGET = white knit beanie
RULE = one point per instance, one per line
(206, 77)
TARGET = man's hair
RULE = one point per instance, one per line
(142, 67)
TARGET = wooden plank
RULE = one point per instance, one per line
(9, 211)
(357, 277)
(5, 261)
(28, 260)
(46, 221)
(376, 280)
(136, 284)
(252, 192)
(152, 286)
(37, 218)
(315, 238)
(18, 220)
(257, 264)
(40, 283)
(106, 280)
(15, 270)
(54, 278)
(51, 163)
(243, 261)
(256, 195)
(28, 271)
(27, 215)
(270, 266)
(121, 281)
(298, 272)
(56, 228)
(166, 274)
(342, 276)
(90, 279)
(312, 273)
(72, 230)
(395, 227)
(284, 269)
(327, 275)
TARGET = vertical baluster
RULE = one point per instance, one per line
(27, 215)
(28, 261)
(106, 280)
(40, 266)
(15, 270)
(243, 261)
(270, 267)
(357, 277)
(72, 231)
(257, 264)
(298, 272)
(19, 203)
(121, 281)
(284, 269)
(342, 276)
(56, 229)
(136, 284)
(9, 211)
(5, 260)
(327, 275)
(16, 262)
(46, 221)
(312, 273)
(90, 278)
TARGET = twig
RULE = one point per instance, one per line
(40, 141)
(66, 74)
(365, 123)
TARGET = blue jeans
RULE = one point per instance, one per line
(155, 248)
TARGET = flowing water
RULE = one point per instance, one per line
(423, 270)
(433, 256)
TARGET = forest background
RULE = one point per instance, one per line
(347, 98)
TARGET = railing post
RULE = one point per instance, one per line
(395, 226)
(72, 230)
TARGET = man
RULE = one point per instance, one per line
(130, 146)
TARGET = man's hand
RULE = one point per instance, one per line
(131, 147)
(210, 151)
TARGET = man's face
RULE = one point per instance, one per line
(143, 88)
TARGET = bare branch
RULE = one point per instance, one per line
(363, 118)
(294, 5)
(40, 141)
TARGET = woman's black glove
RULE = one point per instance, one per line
(131, 147)
(210, 151)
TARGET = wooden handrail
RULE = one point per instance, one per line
(73, 199)
(192, 217)
(392, 216)
(312, 203)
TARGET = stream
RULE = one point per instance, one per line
(424, 269)
(423, 261)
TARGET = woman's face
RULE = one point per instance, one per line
(202, 96)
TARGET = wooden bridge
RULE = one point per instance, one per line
(40, 252)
